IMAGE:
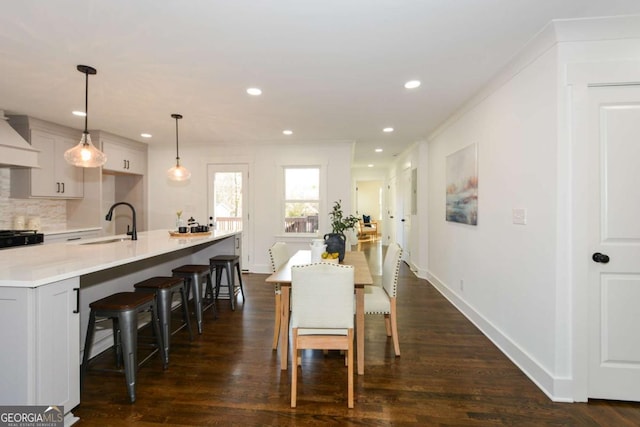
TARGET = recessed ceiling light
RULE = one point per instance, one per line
(378, 150)
(145, 135)
(254, 91)
(412, 84)
(387, 130)
(287, 132)
(370, 165)
(79, 113)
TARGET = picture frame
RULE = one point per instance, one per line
(462, 186)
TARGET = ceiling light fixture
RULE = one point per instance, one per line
(85, 154)
(412, 84)
(146, 135)
(287, 132)
(79, 113)
(378, 150)
(178, 173)
(387, 130)
(254, 91)
(370, 165)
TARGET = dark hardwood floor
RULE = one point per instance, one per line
(449, 374)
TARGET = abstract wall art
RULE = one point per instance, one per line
(462, 186)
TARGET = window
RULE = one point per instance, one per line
(301, 199)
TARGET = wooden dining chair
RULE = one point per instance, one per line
(382, 300)
(278, 255)
(322, 312)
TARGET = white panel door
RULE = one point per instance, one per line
(392, 217)
(614, 228)
(405, 221)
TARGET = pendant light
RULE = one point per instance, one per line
(85, 154)
(178, 173)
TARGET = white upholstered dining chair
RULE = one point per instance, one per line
(278, 255)
(322, 315)
(382, 300)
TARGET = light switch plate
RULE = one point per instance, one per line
(519, 216)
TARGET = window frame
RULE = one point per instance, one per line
(321, 198)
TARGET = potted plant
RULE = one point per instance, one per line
(335, 240)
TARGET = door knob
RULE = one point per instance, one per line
(602, 258)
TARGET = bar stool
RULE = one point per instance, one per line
(194, 275)
(164, 287)
(227, 262)
(123, 309)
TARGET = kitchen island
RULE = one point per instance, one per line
(45, 292)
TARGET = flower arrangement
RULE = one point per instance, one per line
(339, 222)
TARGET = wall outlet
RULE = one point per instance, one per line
(519, 216)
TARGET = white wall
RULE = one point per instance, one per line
(265, 187)
(519, 282)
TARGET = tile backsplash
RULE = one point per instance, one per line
(52, 213)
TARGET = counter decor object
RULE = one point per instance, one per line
(18, 222)
(336, 241)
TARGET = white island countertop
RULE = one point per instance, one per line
(35, 265)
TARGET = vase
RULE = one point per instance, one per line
(335, 243)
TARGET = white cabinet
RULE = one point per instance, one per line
(55, 178)
(40, 360)
(123, 155)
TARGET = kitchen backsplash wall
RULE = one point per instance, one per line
(52, 213)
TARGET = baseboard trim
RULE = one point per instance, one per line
(557, 389)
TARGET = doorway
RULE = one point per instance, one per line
(369, 202)
(228, 195)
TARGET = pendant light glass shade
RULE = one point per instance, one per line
(85, 154)
(178, 173)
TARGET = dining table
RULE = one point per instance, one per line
(362, 277)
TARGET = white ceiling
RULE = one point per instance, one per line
(329, 69)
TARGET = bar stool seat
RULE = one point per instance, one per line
(227, 262)
(123, 308)
(194, 275)
(164, 288)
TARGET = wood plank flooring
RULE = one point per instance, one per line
(449, 374)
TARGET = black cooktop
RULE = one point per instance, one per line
(12, 238)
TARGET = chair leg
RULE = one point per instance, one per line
(294, 369)
(88, 343)
(185, 309)
(276, 323)
(394, 327)
(232, 285)
(350, 370)
(240, 281)
(387, 324)
(128, 323)
(155, 322)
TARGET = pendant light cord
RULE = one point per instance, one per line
(177, 153)
(86, 102)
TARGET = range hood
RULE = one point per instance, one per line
(14, 150)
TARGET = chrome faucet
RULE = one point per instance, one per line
(133, 233)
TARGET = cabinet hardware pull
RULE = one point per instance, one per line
(77, 291)
(58, 186)
(63, 187)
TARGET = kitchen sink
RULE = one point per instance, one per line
(102, 242)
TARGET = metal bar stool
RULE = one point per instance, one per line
(164, 287)
(194, 275)
(227, 262)
(123, 308)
